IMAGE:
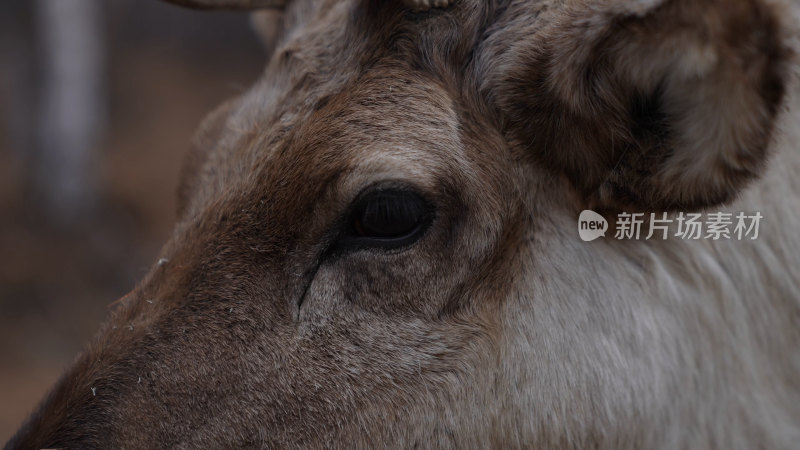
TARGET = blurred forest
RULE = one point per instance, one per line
(98, 102)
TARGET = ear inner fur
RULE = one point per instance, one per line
(670, 107)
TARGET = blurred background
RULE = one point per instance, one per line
(98, 102)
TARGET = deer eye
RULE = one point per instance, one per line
(390, 218)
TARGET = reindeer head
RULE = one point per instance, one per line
(376, 242)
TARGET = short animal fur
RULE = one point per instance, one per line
(499, 328)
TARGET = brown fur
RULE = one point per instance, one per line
(498, 328)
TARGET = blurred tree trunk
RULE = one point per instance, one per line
(17, 80)
(72, 102)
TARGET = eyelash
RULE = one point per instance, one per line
(351, 238)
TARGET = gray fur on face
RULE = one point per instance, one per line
(498, 328)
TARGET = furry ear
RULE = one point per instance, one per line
(648, 104)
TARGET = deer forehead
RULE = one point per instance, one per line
(357, 128)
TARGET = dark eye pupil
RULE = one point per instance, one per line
(389, 214)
